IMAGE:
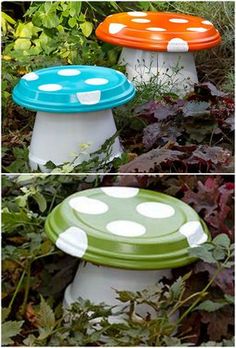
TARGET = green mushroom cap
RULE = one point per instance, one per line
(126, 227)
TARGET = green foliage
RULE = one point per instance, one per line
(9, 330)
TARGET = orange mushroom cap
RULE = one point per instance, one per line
(158, 31)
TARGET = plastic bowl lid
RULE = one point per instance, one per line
(158, 31)
(73, 88)
(126, 227)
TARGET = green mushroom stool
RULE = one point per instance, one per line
(130, 239)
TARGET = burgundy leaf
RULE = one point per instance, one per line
(208, 89)
(218, 323)
(224, 280)
(150, 161)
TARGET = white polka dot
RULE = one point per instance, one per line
(89, 98)
(68, 72)
(194, 233)
(155, 210)
(177, 45)
(96, 81)
(126, 228)
(178, 20)
(137, 14)
(30, 76)
(87, 205)
(207, 22)
(120, 192)
(50, 87)
(200, 30)
(114, 28)
(140, 20)
(73, 241)
(155, 29)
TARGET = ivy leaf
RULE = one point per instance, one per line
(5, 313)
(210, 306)
(12, 220)
(222, 240)
(45, 319)
(202, 253)
(177, 287)
(41, 201)
(125, 296)
(87, 28)
(9, 330)
(72, 22)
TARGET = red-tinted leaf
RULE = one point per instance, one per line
(191, 327)
(214, 203)
(208, 89)
(224, 280)
(196, 108)
(162, 112)
(218, 323)
(211, 157)
(151, 160)
(158, 135)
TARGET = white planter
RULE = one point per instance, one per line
(97, 284)
(175, 71)
(59, 137)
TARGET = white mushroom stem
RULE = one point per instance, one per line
(175, 71)
(97, 283)
(60, 137)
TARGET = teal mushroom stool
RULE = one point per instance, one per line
(128, 239)
(74, 111)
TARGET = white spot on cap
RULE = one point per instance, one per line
(87, 205)
(51, 87)
(120, 192)
(207, 22)
(68, 72)
(126, 228)
(73, 241)
(89, 98)
(194, 233)
(114, 28)
(30, 76)
(156, 29)
(177, 45)
(140, 20)
(96, 81)
(200, 29)
(178, 20)
(137, 14)
(155, 210)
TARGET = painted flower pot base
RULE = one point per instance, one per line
(173, 72)
(105, 280)
(155, 43)
(74, 111)
(129, 237)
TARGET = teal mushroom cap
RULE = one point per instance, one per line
(73, 89)
(126, 227)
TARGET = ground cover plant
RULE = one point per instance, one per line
(35, 273)
(159, 130)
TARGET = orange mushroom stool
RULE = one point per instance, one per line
(159, 44)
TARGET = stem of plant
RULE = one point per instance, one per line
(201, 293)
(17, 289)
(27, 286)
